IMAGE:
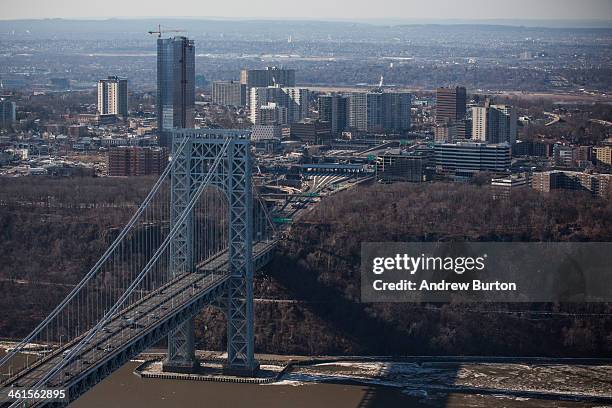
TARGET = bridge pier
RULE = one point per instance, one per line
(233, 177)
(181, 356)
(181, 348)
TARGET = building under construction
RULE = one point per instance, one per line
(412, 168)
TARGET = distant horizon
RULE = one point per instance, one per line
(509, 22)
(398, 11)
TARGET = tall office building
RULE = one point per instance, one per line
(294, 100)
(450, 113)
(229, 93)
(113, 96)
(7, 113)
(380, 111)
(175, 86)
(270, 76)
(494, 124)
(333, 108)
(450, 104)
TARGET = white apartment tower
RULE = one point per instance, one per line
(479, 123)
(494, 124)
(112, 96)
(292, 100)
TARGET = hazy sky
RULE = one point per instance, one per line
(312, 9)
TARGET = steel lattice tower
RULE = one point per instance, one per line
(233, 178)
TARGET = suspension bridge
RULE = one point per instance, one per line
(195, 241)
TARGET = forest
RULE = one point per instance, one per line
(307, 299)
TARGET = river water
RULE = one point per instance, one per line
(125, 389)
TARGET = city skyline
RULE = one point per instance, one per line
(241, 207)
(397, 10)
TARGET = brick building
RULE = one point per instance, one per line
(136, 161)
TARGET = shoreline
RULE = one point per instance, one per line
(583, 380)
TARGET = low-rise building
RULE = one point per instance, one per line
(445, 132)
(603, 155)
(599, 185)
(504, 187)
(266, 132)
(472, 156)
(311, 132)
(77, 131)
(136, 161)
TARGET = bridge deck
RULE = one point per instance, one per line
(132, 322)
(145, 313)
(218, 262)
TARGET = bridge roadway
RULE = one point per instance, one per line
(136, 328)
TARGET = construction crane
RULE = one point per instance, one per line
(159, 31)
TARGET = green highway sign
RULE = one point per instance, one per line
(282, 220)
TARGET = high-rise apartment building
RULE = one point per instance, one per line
(333, 108)
(136, 161)
(360, 116)
(494, 124)
(269, 76)
(113, 96)
(175, 86)
(396, 111)
(229, 93)
(502, 124)
(380, 111)
(296, 102)
(272, 114)
(7, 113)
(479, 123)
(293, 100)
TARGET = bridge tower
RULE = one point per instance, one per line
(233, 178)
